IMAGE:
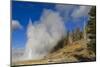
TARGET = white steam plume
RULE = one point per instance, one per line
(43, 35)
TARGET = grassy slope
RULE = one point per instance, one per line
(74, 52)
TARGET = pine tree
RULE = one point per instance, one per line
(66, 38)
(91, 29)
(77, 34)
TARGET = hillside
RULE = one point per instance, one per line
(75, 52)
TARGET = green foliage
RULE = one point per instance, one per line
(91, 29)
(77, 34)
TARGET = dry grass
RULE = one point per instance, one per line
(65, 54)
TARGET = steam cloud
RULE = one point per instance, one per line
(43, 35)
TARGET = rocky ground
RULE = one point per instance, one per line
(75, 52)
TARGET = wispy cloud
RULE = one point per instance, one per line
(73, 11)
(65, 10)
(16, 25)
(81, 11)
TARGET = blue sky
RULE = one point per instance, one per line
(23, 11)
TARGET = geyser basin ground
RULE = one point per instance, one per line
(66, 54)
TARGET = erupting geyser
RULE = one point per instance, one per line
(43, 35)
